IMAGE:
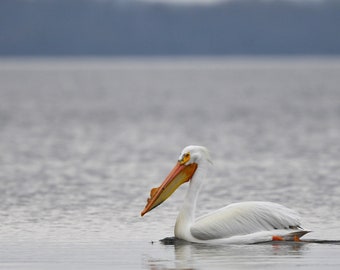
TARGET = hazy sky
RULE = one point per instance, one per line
(186, 1)
(64, 27)
(212, 1)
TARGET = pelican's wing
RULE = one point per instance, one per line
(245, 218)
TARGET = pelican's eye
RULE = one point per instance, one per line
(185, 158)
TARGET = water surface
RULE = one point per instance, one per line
(83, 141)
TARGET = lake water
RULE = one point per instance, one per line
(83, 141)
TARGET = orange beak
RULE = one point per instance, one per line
(180, 174)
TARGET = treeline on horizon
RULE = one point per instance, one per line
(87, 27)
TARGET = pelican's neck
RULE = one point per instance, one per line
(186, 216)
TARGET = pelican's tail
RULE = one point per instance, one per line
(292, 236)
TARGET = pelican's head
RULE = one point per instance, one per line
(196, 153)
(188, 161)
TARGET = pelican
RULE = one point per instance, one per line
(244, 222)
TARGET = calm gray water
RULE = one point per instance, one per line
(83, 141)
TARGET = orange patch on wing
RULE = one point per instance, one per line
(277, 238)
(296, 238)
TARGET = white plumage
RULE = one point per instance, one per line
(247, 218)
(245, 222)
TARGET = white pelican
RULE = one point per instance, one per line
(245, 222)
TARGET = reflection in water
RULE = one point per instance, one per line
(190, 255)
(193, 255)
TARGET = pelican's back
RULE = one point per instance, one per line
(245, 218)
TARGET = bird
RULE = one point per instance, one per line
(237, 223)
